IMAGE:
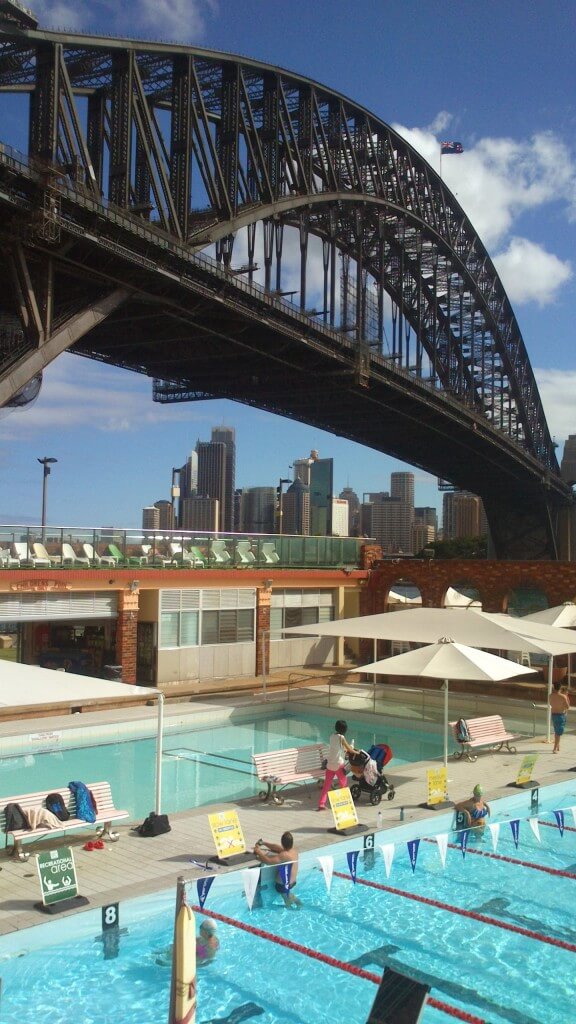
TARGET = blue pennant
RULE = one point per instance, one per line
(352, 857)
(413, 845)
(559, 815)
(515, 826)
(284, 873)
(203, 887)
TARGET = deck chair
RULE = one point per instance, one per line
(41, 553)
(26, 556)
(7, 561)
(268, 553)
(69, 557)
(153, 556)
(186, 558)
(95, 558)
(114, 550)
(219, 553)
(244, 554)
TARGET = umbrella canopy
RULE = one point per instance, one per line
(447, 660)
(563, 615)
(466, 625)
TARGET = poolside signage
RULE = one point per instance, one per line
(437, 782)
(343, 809)
(524, 777)
(57, 874)
(227, 833)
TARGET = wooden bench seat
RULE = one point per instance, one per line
(280, 768)
(106, 814)
(489, 731)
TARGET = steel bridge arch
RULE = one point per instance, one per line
(146, 128)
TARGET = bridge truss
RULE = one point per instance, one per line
(235, 230)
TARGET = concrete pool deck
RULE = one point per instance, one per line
(134, 866)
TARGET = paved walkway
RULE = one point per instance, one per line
(135, 866)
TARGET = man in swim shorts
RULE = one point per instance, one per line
(559, 707)
(283, 853)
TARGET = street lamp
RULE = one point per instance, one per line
(283, 480)
(46, 463)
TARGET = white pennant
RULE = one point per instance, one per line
(250, 877)
(327, 865)
(442, 840)
(388, 855)
(494, 832)
(533, 822)
(573, 809)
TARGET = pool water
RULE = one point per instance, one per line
(473, 966)
(204, 766)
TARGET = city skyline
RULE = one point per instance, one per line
(515, 179)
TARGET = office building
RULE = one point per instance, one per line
(212, 458)
(321, 494)
(301, 467)
(463, 516)
(340, 517)
(257, 510)
(347, 494)
(200, 515)
(227, 437)
(568, 464)
(422, 536)
(402, 487)
(389, 522)
(166, 510)
(295, 517)
(426, 515)
(151, 518)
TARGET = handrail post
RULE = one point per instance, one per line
(265, 634)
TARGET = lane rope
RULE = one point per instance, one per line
(325, 958)
(511, 860)
(474, 914)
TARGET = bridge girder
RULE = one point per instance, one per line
(143, 156)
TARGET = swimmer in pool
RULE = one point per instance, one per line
(475, 809)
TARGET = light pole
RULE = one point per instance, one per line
(46, 463)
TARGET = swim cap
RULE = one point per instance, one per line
(477, 790)
(209, 925)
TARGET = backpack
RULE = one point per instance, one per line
(16, 818)
(154, 825)
(55, 803)
(462, 734)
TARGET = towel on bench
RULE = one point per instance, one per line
(41, 817)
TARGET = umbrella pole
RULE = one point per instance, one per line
(160, 729)
(548, 712)
(445, 688)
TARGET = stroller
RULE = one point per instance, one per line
(368, 776)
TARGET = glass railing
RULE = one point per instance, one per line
(65, 547)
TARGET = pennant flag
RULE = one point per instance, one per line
(494, 832)
(515, 826)
(447, 148)
(559, 815)
(573, 809)
(284, 874)
(463, 837)
(388, 856)
(327, 865)
(203, 887)
(533, 822)
(442, 840)
(352, 858)
(413, 845)
(250, 877)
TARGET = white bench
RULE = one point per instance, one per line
(106, 814)
(280, 768)
(489, 731)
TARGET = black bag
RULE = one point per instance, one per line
(154, 825)
(16, 818)
(55, 803)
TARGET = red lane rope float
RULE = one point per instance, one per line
(552, 824)
(324, 958)
(474, 914)
(512, 860)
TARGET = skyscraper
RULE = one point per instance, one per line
(321, 494)
(296, 509)
(353, 510)
(568, 464)
(402, 486)
(227, 437)
(258, 508)
(212, 476)
(151, 518)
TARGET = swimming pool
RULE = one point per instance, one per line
(204, 765)
(492, 933)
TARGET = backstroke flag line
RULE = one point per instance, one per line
(327, 865)
(442, 841)
(250, 877)
(388, 856)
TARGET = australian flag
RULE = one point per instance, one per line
(451, 147)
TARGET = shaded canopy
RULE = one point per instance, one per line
(28, 685)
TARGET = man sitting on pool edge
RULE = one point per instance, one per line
(476, 810)
(285, 853)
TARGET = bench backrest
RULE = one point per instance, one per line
(292, 759)
(491, 725)
(101, 790)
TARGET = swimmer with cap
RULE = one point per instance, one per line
(476, 809)
(207, 945)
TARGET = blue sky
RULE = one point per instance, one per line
(498, 77)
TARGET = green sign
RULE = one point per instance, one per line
(57, 875)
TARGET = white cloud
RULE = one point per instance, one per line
(529, 273)
(182, 20)
(557, 389)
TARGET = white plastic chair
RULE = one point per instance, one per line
(69, 556)
(26, 556)
(244, 554)
(219, 552)
(269, 554)
(43, 557)
(97, 559)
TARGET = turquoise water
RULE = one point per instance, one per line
(200, 767)
(497, 975)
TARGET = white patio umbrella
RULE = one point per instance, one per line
(448, 660)
(563, 616)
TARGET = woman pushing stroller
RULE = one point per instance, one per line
(338, 747)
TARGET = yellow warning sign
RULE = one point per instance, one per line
(227, 833)
(343, 809)
(526, 769)
(437, 786)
